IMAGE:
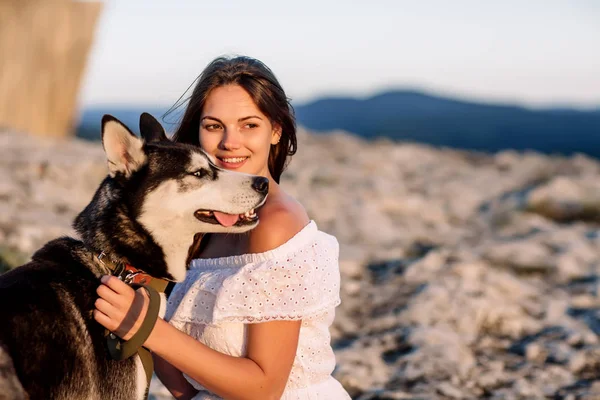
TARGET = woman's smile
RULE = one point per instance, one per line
(231, 162)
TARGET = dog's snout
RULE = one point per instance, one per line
(260, 184)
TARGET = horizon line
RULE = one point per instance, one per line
(551, 105)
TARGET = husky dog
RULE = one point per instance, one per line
(157, 197)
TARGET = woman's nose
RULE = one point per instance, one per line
(231, 140)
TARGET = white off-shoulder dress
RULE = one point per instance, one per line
(298, 280)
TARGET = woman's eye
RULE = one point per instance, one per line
(251, 126)
(212, 127)
(201, 173)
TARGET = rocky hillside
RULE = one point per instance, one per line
(465, 275)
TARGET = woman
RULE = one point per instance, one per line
(251, 319)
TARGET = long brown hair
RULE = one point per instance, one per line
(264, 89)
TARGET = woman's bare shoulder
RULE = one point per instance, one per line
(279, 220)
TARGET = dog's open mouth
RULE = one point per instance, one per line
(227, 220)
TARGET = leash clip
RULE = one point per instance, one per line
(101, 256)
(130, 276)
(113, 269)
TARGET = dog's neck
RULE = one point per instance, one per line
(104, 227)
(177, 250)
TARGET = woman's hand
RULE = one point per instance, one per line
(120, 309)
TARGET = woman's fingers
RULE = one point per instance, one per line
(108, 294)
(113, 319)
(105, 307)
(108, 316)
(104, 320)
(117, 285)
(117, 293)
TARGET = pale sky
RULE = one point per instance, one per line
(532, 52)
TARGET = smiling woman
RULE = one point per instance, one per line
(240, 136)
(251, 319)
(239, 111)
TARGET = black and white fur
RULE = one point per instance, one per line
(144, 213)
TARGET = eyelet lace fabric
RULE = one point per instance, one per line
(298, 280)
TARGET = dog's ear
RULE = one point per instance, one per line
(124, 150)
(151, 129)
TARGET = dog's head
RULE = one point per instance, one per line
(159, 194)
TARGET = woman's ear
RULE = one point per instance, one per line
(276, 134)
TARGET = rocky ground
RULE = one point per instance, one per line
(465, 275)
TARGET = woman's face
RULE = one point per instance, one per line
(236, 132)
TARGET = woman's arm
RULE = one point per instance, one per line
(262, 374)
(173, 379)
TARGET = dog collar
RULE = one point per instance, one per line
(131, 275)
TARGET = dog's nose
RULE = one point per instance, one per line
(261, 184)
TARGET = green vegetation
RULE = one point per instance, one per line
(10, 258)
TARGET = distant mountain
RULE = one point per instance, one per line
(415, 116)
(408, 115)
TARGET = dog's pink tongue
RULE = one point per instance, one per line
(226, 219)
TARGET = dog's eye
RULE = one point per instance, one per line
(201, 173)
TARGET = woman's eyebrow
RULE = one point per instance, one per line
(249, 117)
(239, 120)
(209, 117)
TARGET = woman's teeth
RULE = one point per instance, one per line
(235, 160)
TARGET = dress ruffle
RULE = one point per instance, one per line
(298, 280)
